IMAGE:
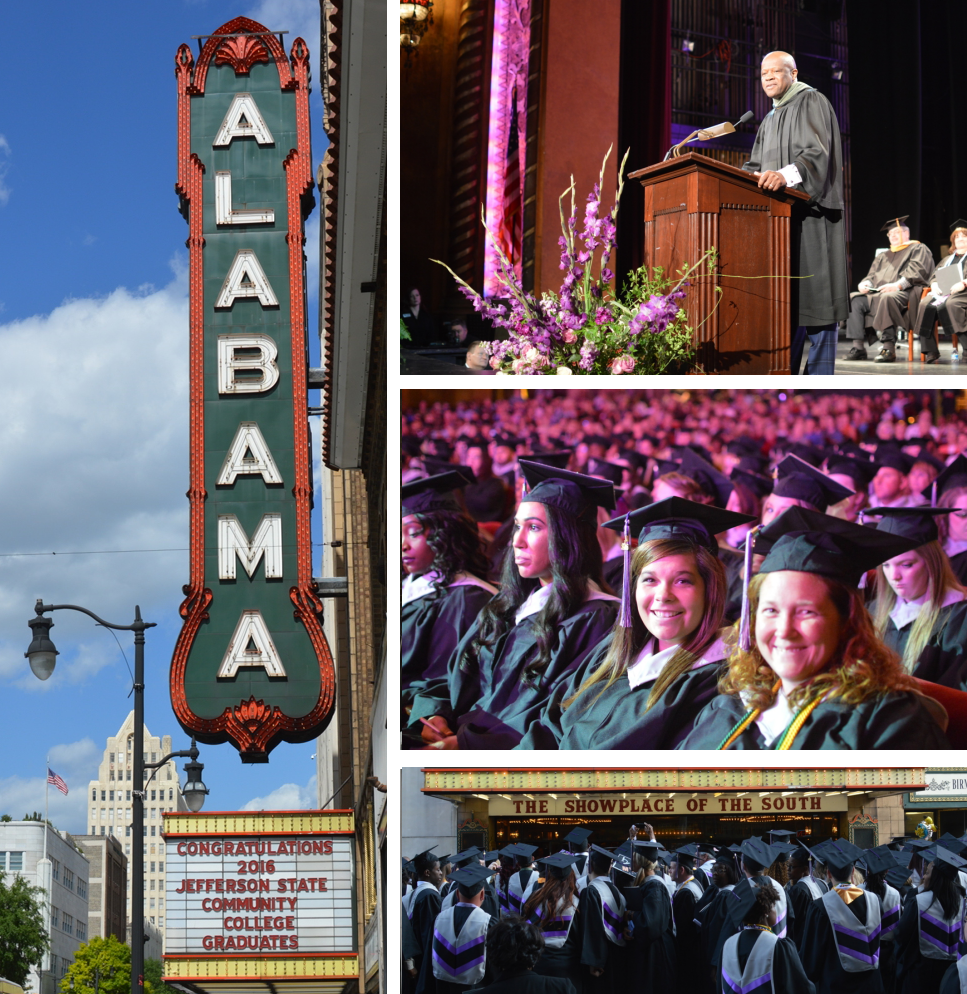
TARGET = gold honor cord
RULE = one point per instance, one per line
(792, 729)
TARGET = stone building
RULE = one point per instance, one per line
(107, 885)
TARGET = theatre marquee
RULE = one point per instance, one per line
(260, 895)
(667, 804)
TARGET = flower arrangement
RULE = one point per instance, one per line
(588, 327)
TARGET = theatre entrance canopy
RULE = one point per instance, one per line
(682, 805)
(260, 901)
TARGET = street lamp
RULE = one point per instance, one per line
(42, 655)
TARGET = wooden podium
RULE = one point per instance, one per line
(695, 202)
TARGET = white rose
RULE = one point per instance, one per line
(564, 371)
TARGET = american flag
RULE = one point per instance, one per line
(56, 780)
(511, 222)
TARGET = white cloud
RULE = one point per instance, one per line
(94, 447)
(299, 17)
(288, 797)
(77, 763)
(5, 153)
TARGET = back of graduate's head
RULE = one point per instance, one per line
(766, 899)
(943, 879)
(751, 867)
(599, 864)
(841, 874)
(514, 945)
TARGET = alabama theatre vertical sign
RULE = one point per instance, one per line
(251, 664)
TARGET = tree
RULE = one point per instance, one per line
(100, 964)
(5, 818)
(152, 979)
(23, 938)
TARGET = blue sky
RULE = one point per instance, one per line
(93, 384)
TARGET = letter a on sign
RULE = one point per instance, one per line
(246, 278)
(251, 645)
(248, 455)
(243, 120)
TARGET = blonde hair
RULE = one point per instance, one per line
(948, 499)
(940, 579)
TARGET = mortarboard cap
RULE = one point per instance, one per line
(470, 879)
(608, 470)
(955, 475)
(560, 488)
(622, 878)
(435, 466)
(559, 865)
(558, 459)
(797, 479)
(715, 483)
(879, 860)
(812, 542)
(745, 898)
(894, 459)
(509, 852)
(916, 523)
(424, 860)
(897, 877)
(579, 835)
(489, 857)
(808, 453)
(623, 851)
(433, 493)
(602, 852)
(895, 222)
(938, 854)
(676, 517)
(959, 223)
(922, 455)
(841, 855)
(526, 850)
(860, 471)
(758, 851)
(759, 485)
(648, 849)
(779, 833)
(468, 855)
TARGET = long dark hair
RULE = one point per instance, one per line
(946, 888)
(626, 643)
(556, 895)
(457, 546)
(575, 559)
(876, 883)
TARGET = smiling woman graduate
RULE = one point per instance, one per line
(550, 613)
(443, 589)
(644, 685)
(815, 676)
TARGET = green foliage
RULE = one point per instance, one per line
(23, 939)
(5, 818)
(36, 816)
(153, 983)
(105, 963)
(405, 336)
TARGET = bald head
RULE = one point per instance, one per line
(778, 73)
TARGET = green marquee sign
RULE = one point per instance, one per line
(251, 664)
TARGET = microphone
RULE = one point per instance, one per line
(747, 116)
(716, 131)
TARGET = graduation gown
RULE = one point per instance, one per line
(597, 950)
(431, 627)
(563, 960)
(896, 636)
(460, 915)
(489, 705)
(820, 958)
(915, 973)
(955, 979)
(801, 899)
(619, 718)
(913, 263)
(711, 917)
(788, 976)
(958, 563)
(891, 721)
(652, 959)
(730, 926)
(423, 911)
(687, 942)
(944, 658)
(804, 132)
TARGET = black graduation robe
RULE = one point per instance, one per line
(804, 132)
(951, 981)
(897, 638)
(431, 628)
(687, 943)
(613, 572)
(487, 499)
(619, 718)
(598, 951)
(652, 962)
(893, 721)
(944, 658)
(411, 950)
(915, 974)
(820, 959)
(788, 975)
(959, 565)
(424, 909)
(912, 263)
(489, 706)
(710, 916)
(445, 987)
(800, 900)
(727, 925)
(561, 961)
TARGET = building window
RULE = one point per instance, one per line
(15, 861)
(54, 917)
(154, 757)
(82, 931)
(151, 905)
(152, 831)
(128, 777)
(152, 867)
(127, 832)
(127, 848)
(93, 795)
(111, 798)
(68, 925)
(128, 798)
(68, 878)
(153, 793)
(55, 869)
(112, 757)
(112, 774)
(103, 813)
(103, 795)
(81, 887)
(102, 830)
(161, 868)
(168, 777)
(151, 885)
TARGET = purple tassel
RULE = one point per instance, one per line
(745, 632)
(624, 620)
(933, 494)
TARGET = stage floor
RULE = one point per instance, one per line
(867, 367)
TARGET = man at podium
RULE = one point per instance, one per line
(798, 146)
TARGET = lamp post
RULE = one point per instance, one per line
(42, 655)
